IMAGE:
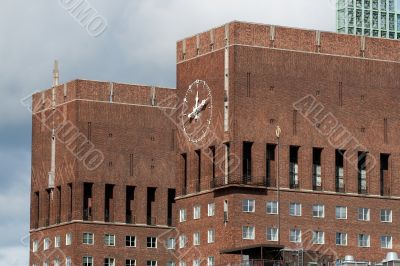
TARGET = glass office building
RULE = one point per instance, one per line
(376, 18)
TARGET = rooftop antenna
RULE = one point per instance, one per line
(56, 74)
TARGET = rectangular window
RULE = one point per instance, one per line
(88, 238)
(182, 241)
(196, 239)
(151, 242)
(57, 241)
(386, 216)
(196, 262)
(272, 207)
(46, 244)
(248, 205)
(295, 209)
(87, 261)
(386, 242)
(363, 240)
(109, 240)
(318, 237)
(363, 214)
(316, 178)
(271, 167)
(211, 209)
(130, 262)
(196, 212)
(68, 239)
(341, 239)
(171, 243)
(210, 261)
(318, 211)
(182, 263)
(341, 212)
(294, 167)
(272, 234)
(362, 172)
(170, 263)
(68, 261)
(385, 175)
(247, 162)
(182, 215)
(339, 162)
(109, 262)
(35, 245)
(87, 201)
(130, 241)
(151, 263)
(248, 232)
(295, 235)
(129, 202)
(210, 236)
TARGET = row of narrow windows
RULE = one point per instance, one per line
(270, 179)
(109, 205)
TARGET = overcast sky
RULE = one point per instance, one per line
(137, 46)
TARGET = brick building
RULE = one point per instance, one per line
(280, 143)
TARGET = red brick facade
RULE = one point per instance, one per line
(327, 92)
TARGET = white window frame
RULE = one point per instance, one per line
(210, 261)
(340, 208)
(35, 246)
(109, 240)
(295, 209)
(343, 239)
(182, 215)
(196, 212)
(386, 241)
(84, 237)
(196, 262)
(111, 261)
(318, 211)
(295, 235)
(46, 243)
(210, 235)
(182, 263)
(364, 214)
(182, 241)
(68, 239)
(272, 234)
(171, 243)
(272, 207)
(248, 232)
(130, 241)
(153, 242)
(170, 263)
(152, 263)
(131, 260)
(361, 241)
(56, 262)
(196, 239)
(68, 261)
(248, 205)
(89, 261)
(318, 237)
(384, 214)
(211, 209)
(57, 241)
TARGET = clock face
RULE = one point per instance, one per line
(197, 111)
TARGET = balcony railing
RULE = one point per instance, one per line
(257, 263)
(259, 181)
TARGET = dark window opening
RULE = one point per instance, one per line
(294, 167)
(69, 218)
(198, 181)
(362, 173)
(213, 162)
(109, 203)
(151, 197)
(37, 208)
(58, 218)
(87, 201)
(316, 174)
(130, 196)
(385, 175)
(339, 169)
(184, 168)
(246, 162)
(171, 203)
(271, 167)
(47, 220)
